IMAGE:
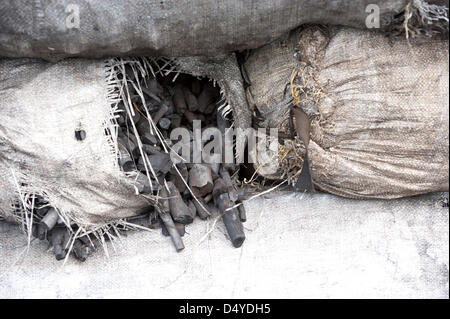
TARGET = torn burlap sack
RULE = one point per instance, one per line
(59, 132)
(43, 105)
(379, 109)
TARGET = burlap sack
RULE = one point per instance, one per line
(379, 108)
(43, 106)
(55, 29)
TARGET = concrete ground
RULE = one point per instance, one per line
(297, 246)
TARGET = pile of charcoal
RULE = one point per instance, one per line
(189, 189)
(48, 225)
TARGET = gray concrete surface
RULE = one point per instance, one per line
(298, 246)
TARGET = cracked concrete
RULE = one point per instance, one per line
(297, 246)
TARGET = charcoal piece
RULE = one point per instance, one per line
(178, 208)
(178, 100)
(41, 231)
(164, 123)
(133, 117)
(196, 87)
(50, 219)
(160, 162)
(190, 116)
(177, 179)
(163, 199)
(201, 208)
(169, 224)
(143, 126)
(192, 207)
(81, 250)
(181, 228)
(148, 91)
(176, 120)
(208, 95)
(219, 188)
(207, 198)
(231, 220)
(160, 113)
(164, 230)
(190, 99)
(200, 180)
(154, 87)
(230, 187)
(242, 213)
(59, 239)
(143, 185)
(150, 149)
(210, 108)
(149, 138)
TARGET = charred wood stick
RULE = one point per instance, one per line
(134, 117)
(219, 188)
(59, 238)
(41, 231)
(172, 230)
(201, 208)
(196, 87)
(192, 207)
(149, 138)
(229, 183)
(143, 185)
(153, 220)
(190, 116)
(50, 219)
(208, 95)
(149, 92)
(154, 86)
(178, 100)
(164, 123)
(242, 213)
(160, 113)
(164, 230)
(163, 199)
(181, 228)
(208, 198)
(81, 250)
(210, 108)
(231, 220)
(176, 120)
(191, 100)
(160, 162)
(177, 179)
(150, 149)
(178, 208)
